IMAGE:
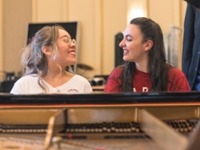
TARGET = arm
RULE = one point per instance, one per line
(88, 88)
(113, 84)
(182, 85)
(177, 81)
(188, 39)
(18, 88)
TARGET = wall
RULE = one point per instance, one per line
(100, 20)
(169, 13)
(114, 21)
(1, 37)
(16, 15)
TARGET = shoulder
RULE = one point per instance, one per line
(79, 77)
(117, 71)
(28, 78)
(81, 83)
(177, 80)
(80, 80)
(76, 77)
(25, 83)
(173, 71)
(119, 68)
(113, 83)
(175, 74)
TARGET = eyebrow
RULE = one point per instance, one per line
(128, 35)
(65, 36)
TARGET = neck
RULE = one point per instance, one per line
(143, 68)
(56, 79)
(56, 72)
(142, 65)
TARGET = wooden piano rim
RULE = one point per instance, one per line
(99, 105)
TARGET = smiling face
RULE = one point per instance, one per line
(134, 48)
(66, 48)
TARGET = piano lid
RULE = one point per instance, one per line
(102, 98)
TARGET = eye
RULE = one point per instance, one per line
(66, 40)
(129, 39)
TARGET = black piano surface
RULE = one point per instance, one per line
(102, 98)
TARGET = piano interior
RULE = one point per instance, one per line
(156, 123)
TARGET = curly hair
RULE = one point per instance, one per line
(33, 59)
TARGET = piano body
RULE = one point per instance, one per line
(124, 121)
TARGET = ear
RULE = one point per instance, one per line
(46, 50)
(148, 45)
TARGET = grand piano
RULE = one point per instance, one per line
(99, 121)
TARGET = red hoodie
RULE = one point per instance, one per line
(142, 83)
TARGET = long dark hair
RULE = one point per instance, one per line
(157, 67)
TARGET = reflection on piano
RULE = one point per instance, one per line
(128, 121)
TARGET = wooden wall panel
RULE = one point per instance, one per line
(100, 20)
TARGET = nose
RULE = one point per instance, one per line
(72, 42)
(121, 44)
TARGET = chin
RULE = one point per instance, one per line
(73, 61)
(125, 58)
(129, 59)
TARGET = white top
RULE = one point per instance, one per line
(29, 85)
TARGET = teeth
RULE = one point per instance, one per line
(125, 51)
(72, 53)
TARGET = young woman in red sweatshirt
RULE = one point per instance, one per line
(145, 68)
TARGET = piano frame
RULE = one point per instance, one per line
(149, 109)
